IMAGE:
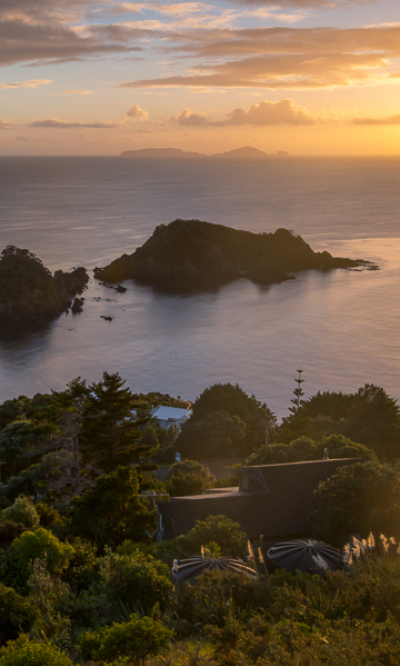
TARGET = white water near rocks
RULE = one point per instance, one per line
(341, 327)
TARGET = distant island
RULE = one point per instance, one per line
(176, 153)
(190, 255)
(29, 293)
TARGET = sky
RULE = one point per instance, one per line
(96, 77)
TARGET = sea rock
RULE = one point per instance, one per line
(77, 305)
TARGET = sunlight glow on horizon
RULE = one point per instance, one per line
(293, 75)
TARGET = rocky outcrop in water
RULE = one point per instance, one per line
(189, 255)
(29, 293)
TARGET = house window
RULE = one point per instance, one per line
(245, 479)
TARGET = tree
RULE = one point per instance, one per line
(111, 510)
(41, 543)
(363, 498)
(110, 429)
(188, 477)
(374, 419)
(297, 401)
(238, 419)
(17, 518)
(329, 403)
(306, 448)
(217, 435)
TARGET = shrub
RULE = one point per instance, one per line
(38, 544)
(135, 639)
(134, 580)
(22, 511)
(223, 531)
(363, 498)
(188, 477)
(16, 614)
(33, 654)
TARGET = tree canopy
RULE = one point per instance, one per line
(361, 498)
(225, 421)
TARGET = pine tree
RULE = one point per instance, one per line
(298, 392)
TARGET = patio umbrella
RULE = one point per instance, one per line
(306, 555)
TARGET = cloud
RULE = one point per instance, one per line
(33, 83)
(305, 4)
(284, 112)
(54, 123)
(5, 125)
(390, 120)
(270, 113)
(188, 118)
(78, 92)
(137, 113)
(282, 58)
(53, 42)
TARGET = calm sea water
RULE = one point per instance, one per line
(342, 328)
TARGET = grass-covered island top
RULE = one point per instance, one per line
(188, 255)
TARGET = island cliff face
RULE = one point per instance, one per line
(188, 255)
(28, 291)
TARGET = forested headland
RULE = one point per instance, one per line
(82, 581)
(30, 294)
(190, 255)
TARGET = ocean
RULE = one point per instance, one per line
(341, 328)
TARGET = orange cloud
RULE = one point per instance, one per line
(54, 123)
(269, 113)
(137, 113)
(284, 112)
(5, 125)
(33, 83)
(390, 120)
(188, 118)
(78, 92)
(283, 58)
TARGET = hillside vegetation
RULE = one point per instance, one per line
(189, 255)
(83, 583)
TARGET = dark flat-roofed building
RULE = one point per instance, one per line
(271, 500)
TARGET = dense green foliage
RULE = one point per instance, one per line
(81, 579)
(135, 581)
(188, 477)
(225, 422)
(368, 417)
(28, 291)
(135, 639)
(362, 498)
(33, 654)
(111, 511)
(305, 448)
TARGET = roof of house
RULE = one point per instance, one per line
(279, 510)
(164, 413)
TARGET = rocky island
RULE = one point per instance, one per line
(190, 255)
(29, 293)
(247, 152)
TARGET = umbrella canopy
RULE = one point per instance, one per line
(192, 567)
(307, 555)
